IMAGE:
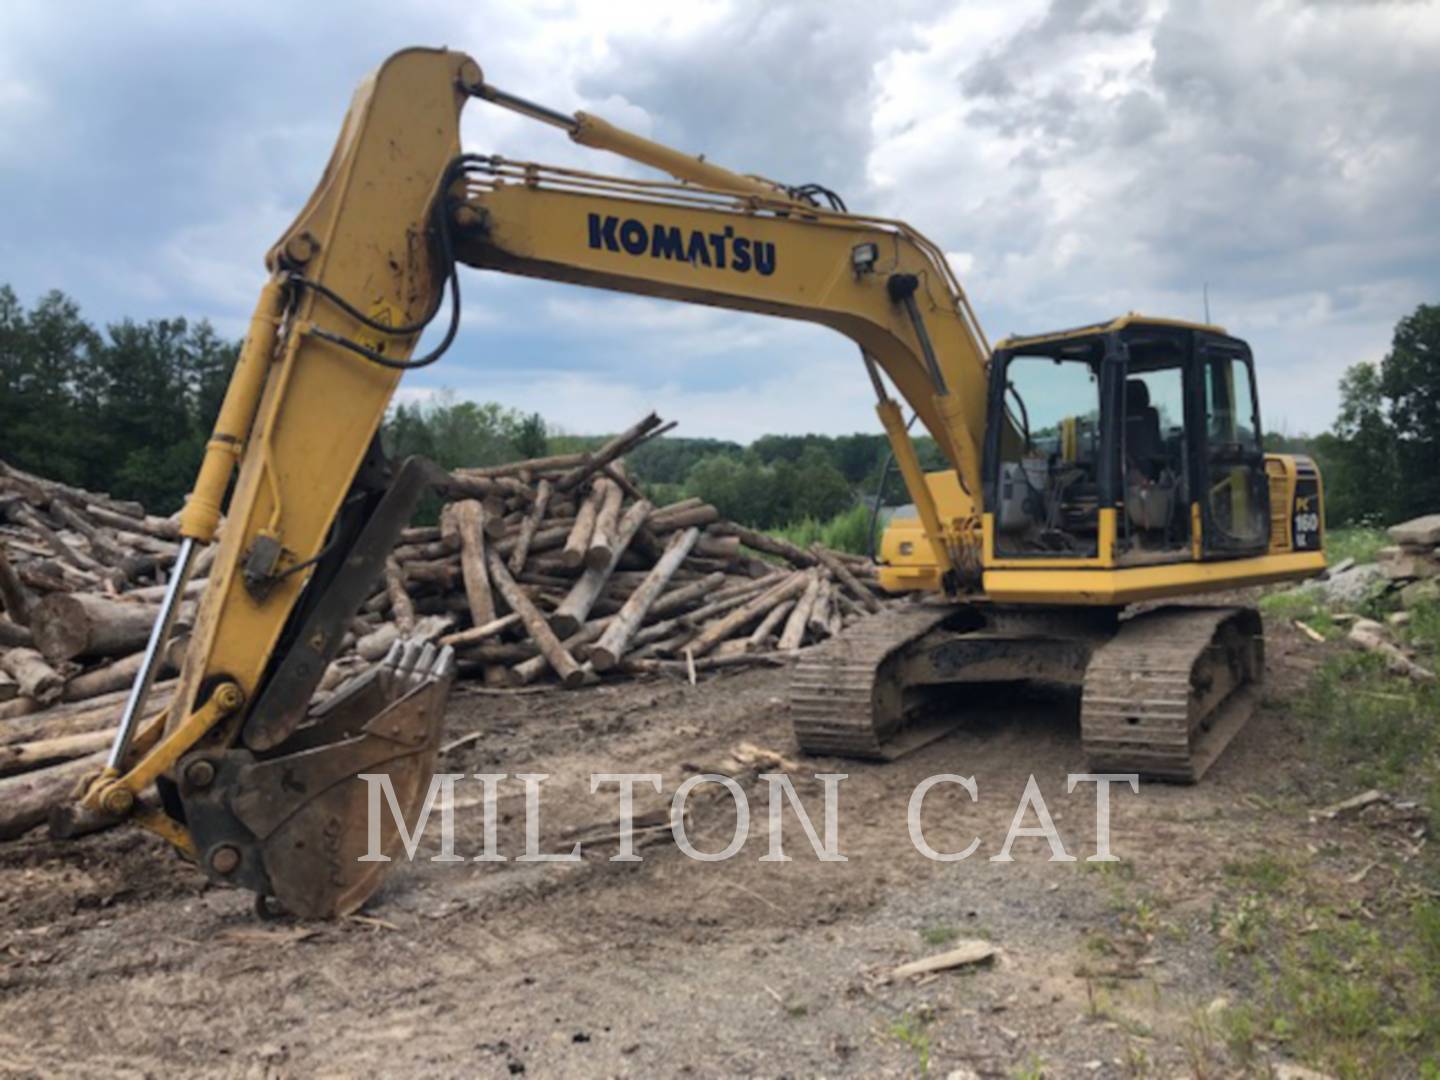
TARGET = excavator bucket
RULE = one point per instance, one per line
(312, 824)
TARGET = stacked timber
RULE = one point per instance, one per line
(554, 571)
(81, 577)
(559, 570)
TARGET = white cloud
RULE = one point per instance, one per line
(1074, 160)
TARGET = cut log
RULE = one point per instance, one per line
(549, 645)
(646, 666)
(705, 514)
(480, 633)
(793, 636)
(14, 598)
(771, 545)
(26, 800)
(575, 609)
(724, 548)
(402, 608)
(153, 594)
(12, 636)
(527, 671)
(23, 757)
(100, 544)
(616, 447)
(846, 578)
(685, 596)
(71, 718)
(9, 688)
(528, 527)
(760, 636)
(820, 614)
(470, 523)
(611, 646)
(35, 678)
(578, 542)
(25, 515)
(489, 655)
(424, 551)
(535, 466)
(607, 522)
(70, 625)
(118, 675)
(722, 628)
(374, 645)
(157, 527)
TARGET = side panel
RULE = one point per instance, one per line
(1131, 585)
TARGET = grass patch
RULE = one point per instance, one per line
(848, 531)
(1265, 872)
(1423, 631)
(1359, 542)
(936, 936)
(1347, 985)
(912, 1031)
(1379, 728)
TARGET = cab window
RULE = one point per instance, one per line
(1235, 498)
(1047, 485)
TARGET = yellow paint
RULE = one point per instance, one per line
(1020, 341)
(1133, 584)
(116, 794)
(319, 405)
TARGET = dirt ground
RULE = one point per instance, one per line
(116, 956)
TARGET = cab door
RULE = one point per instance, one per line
(1233, 492)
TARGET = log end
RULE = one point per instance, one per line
(564, 625)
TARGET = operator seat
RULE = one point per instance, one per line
(1144, 448)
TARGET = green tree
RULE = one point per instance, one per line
(1363, 464)
(1410, 382)
(531, 437)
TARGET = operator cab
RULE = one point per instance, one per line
(1137, 440)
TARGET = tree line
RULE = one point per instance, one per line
(128, 410)
(1380, 463)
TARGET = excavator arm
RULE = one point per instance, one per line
(255, 785)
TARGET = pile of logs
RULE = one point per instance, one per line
(552, 571)
(559, 569)
(81, 575)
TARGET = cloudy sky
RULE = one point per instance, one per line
(1075, 159)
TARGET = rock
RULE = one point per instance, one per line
(1371, 636)
(1420, 592)
(1340, 567)
(1417, 532)
(1398, 618)
(1285, 1071)
(1354, 586)
(1398, 564)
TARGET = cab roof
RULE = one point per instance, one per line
(1133, 318)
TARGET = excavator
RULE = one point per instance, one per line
(1092, 473)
